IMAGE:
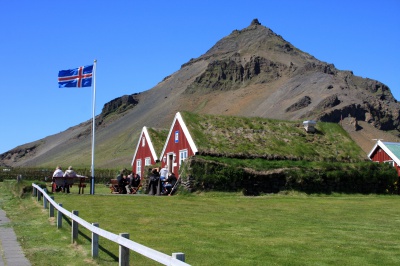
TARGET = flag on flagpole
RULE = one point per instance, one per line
(77, 77)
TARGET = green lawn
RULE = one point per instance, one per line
(218, 228)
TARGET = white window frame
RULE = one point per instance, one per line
(139, 166)
(143, 141)
(391, 162)
(176, 136)
(183, 154)
(147, 161)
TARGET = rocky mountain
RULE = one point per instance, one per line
(251, 72)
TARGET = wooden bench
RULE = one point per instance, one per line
(114, 186)
(61, 181)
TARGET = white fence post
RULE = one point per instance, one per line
(124, 252)
(95, 243)
(74, 229)
(59, 217)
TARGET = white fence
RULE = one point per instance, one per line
(177, 259)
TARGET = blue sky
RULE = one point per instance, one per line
(138, 43)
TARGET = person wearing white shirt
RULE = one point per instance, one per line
(163, 173)
(71, 174)
(57, 182)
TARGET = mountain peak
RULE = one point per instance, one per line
(255, 22)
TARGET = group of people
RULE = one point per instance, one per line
(60, 179)
(161, 181)
(128, 183)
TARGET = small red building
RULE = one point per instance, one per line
(179, 145)
(147, 149)
(386, 152)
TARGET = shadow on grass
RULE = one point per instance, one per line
(89, 239)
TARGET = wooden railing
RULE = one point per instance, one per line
(125, 244)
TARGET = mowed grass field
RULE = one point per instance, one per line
(216, 228)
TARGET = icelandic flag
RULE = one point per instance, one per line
(77, 77)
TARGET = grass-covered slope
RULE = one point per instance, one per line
(253, 137)
(158, 137)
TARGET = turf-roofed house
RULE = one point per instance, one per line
(251, 153)
(147, 149)
(179, 145)
(386, 152)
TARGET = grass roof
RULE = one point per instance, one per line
(158, 137)
(253, 137)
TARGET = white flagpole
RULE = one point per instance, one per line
(93, 127)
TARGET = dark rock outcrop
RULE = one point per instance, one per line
(119, 105)
(116, 107)
(328, 102)
(231, 74)
(300, 104)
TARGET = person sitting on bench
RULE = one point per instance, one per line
(70, 173)
(122, 183)
(56, 184)
(170, 183)
(134, 183)
(154, 179)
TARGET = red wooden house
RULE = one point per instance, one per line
(178, 146)
(386, 152)
(147, 148)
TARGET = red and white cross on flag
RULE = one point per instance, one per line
(77, 77)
